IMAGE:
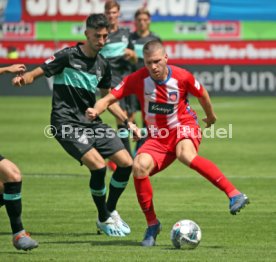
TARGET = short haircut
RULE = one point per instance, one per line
(97, 21)
(152, 46)
(110, 4)
(142, 11)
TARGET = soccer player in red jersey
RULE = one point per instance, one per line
(173, 130)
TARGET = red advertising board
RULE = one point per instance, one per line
(31, 52)
(221, 52)
(60, 10)
(16, 31)
(182, 53)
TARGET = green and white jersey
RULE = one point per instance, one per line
(138, 43)
(114, 51)
(76, 78)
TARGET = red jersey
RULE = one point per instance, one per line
(163, 104)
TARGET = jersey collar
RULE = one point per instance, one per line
(163, 82)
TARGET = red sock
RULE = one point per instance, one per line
(144, 194)
(211, 172)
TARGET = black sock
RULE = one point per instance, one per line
(98, 192)
(2, 202)
(125, 137)
(12, 198)
(117, 185)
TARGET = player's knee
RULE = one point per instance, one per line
(123, 159)
(140, 169)
(186, 157)
(126, 161)
(12, 174)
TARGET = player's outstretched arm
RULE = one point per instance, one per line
(206, 104)
(102, 104)
(16, 68)
(28, 77)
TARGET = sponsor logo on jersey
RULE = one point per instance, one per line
(50, 59)
(160, 108)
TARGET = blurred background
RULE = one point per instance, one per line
(230, 45)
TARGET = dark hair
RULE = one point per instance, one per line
(142, 11)
(97, 21)
(110, 4)
(152, 46)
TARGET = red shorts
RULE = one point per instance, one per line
(163, 150)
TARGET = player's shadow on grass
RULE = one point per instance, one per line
(115, 242)
(68, 234)
(94, 241)
(191, 250)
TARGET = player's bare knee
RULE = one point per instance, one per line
(126, 161)
(186, 157)
(12, 174)
(140, 169)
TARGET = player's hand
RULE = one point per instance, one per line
(210, 120)
(91, 113)
(135, 130)
(129, 54)
(17, 68)
(18, 81)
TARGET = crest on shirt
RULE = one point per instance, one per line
(99, 74)
(50, 59)
(83, 139)
(173, 96)
(124, 39)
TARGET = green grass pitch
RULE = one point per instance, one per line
(57, 206)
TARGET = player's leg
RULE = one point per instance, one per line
(118, 183)
(120, 177)
(2, 202)
(151, 158)
(1, 188)
(85, 152)
(124, 133)
(11, 177)
(143, 166)
(110, 146)
(96, 164)
(186, 152)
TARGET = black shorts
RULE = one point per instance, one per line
(1, 158)
(99, 136)
(129, 104)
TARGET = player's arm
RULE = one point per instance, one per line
(107, 101)
(206, 104)
(16, 68)
(130, 55)
(28, 77)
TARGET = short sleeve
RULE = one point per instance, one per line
(193, 86)
(55, 64)
(125, 88)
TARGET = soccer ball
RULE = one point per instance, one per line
(185, 234)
